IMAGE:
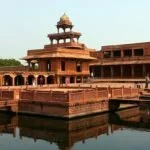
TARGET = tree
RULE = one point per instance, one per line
(9, 62)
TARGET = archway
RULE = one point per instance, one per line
(62, 79)
(41, 80)
(78, 80)
(7, 80)
(50, 80)
(72, 79)
(30, 79)
(19, 80)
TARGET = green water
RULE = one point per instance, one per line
(124, 130)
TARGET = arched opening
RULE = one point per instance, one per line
(30, 79)
(85, 78)
(19, 80)
(62, 79)
(78, 79)
(41, 80)
(72, 80)
(7, 80)
(50, 80)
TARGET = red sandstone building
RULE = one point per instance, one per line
(64, 60)
(126, 61)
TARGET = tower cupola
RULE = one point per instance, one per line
(64, 23)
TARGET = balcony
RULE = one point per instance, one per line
(67, 45)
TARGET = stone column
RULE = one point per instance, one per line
(111, 72)
(132, 71)
(29, 65)
(132, 52)
(57, 41)
(57, 30)
(102, 72)
(121, 67)
(122, 54)
(112, 55)
(1, 80)
(36, 79)
(75, 79)
(144, 70)
(45, 79)
(25, 80)
(82, 79)
(57, 79)
(13, 80)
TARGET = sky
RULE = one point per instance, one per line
(25, 24)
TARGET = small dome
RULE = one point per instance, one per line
(64, 17)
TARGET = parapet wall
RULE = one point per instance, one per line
(63, 103)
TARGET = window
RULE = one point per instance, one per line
(138, 52)
(127, 52)
(107, 54)
(63, 66)
(78, 66)
(117, 53)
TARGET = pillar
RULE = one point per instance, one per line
(112, 55)
(77, 39)
(102, 72)
(13, 80)
(36, 79)
(121, 67)
(25, 80)
(57, 41)
(132, 52)
(51, 41)
(111, 72)
(45, 76)
(57, 79)
(132, 71)
(33, 65)
(144, 70)
(122, 55)
(57, 30)
(1, 80)
(75, 79)
(82, 81)
(29, 64)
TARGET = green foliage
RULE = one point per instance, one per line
(9, 62)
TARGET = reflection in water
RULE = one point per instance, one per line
(66, 133)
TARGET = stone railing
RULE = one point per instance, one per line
(6, 95)
(69, 44)
(123, 92)
(43, 96)
(69, 97)
(14, 68)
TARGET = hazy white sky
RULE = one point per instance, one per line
(24, 24)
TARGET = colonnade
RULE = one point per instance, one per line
(14, 80)
(17, 80)
(121, 71)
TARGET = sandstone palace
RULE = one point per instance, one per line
(66, 60)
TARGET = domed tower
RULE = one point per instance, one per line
(73, 37)
(64, 23)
